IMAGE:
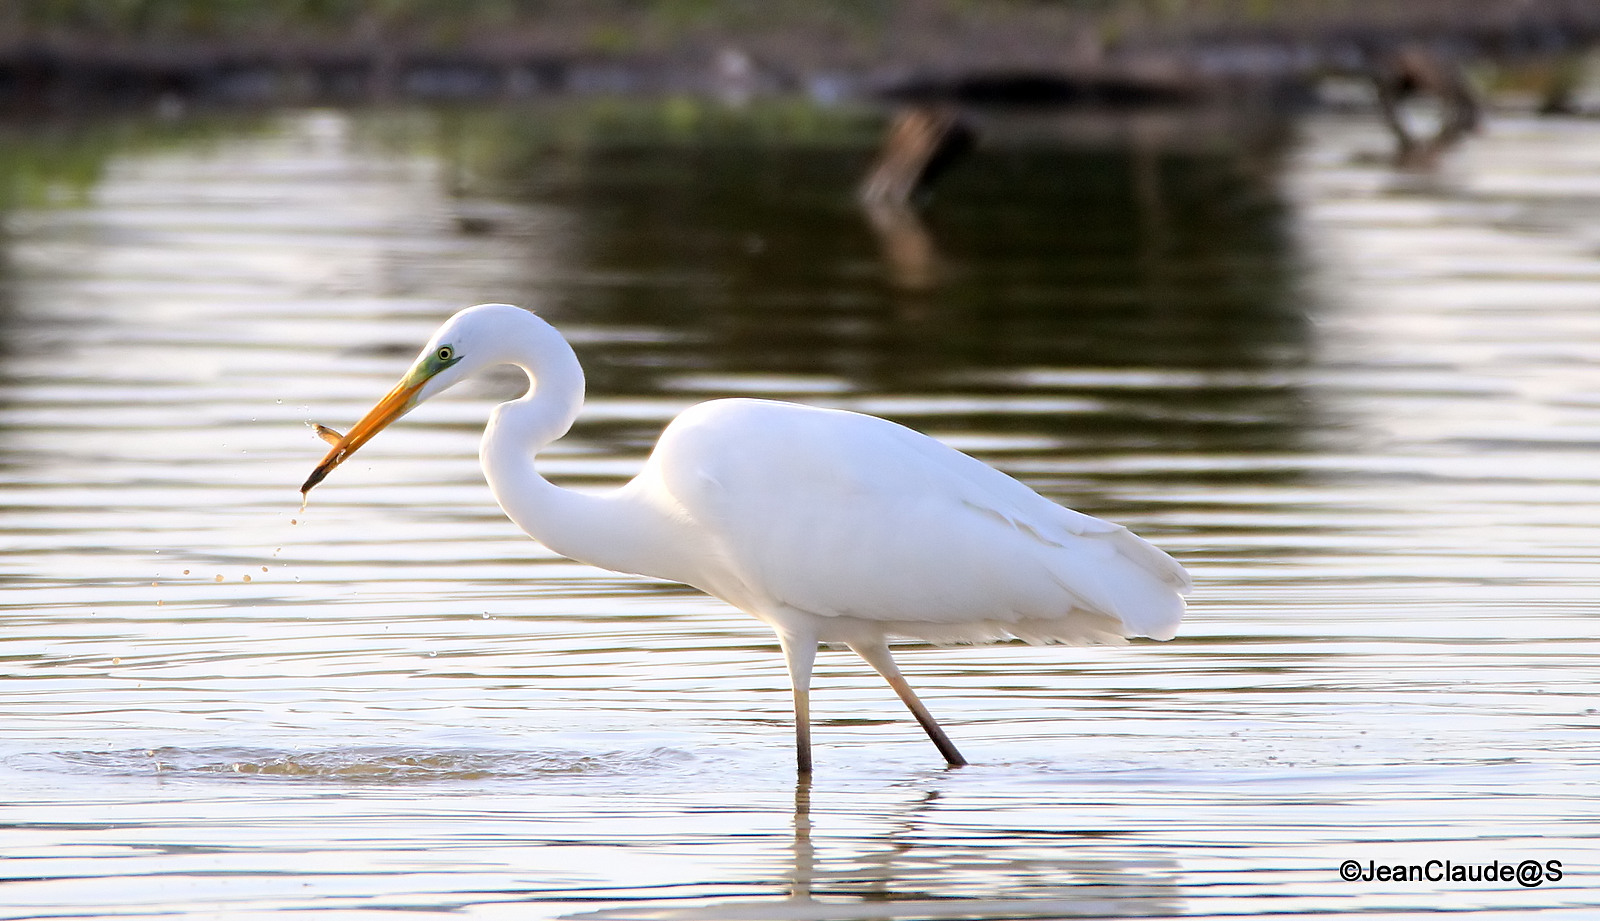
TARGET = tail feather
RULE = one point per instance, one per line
(1152, 559)
(1122, 576)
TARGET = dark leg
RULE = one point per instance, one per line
(877, 656)
(800, 653)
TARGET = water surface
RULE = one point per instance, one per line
(1360, 404)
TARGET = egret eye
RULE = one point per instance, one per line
(445, 353)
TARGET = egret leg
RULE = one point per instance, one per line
(800, 653)
(877, 656)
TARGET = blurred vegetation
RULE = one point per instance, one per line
(623, 25)
(59, 163)
(41, 163)
(434, 21)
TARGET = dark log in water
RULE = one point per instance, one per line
(920, 145)
(1415, 70)
(1112, 86)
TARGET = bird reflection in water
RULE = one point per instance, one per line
(915, 871)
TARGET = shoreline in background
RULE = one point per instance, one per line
(68, 56)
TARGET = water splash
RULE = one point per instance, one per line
(375, 764)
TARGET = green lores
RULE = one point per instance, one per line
(437, 360)
(427, 366)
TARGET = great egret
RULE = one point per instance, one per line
(829, 526)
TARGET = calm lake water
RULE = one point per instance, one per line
(1361, 404)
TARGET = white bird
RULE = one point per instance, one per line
(829, 526)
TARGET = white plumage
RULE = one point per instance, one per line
(830, 526)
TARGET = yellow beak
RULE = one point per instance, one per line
(390, 408)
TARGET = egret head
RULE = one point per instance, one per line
(466, 342)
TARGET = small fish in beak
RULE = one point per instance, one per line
(395, 404)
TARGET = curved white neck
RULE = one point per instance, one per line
(547, 410)
(605, 530)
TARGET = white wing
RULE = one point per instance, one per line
(850, 516)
